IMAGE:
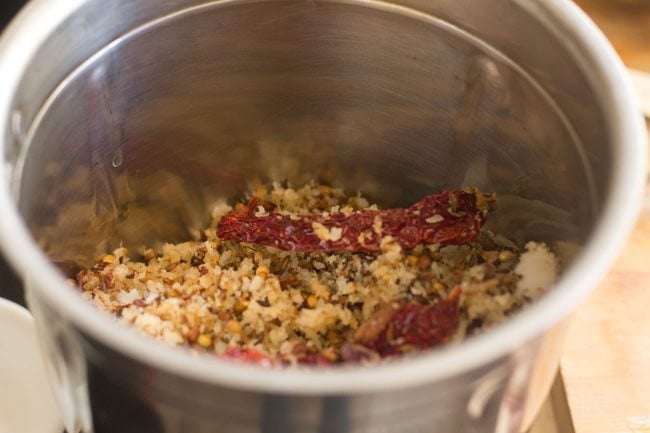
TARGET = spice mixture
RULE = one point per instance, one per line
(313, 276)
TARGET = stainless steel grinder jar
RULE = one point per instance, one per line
(122, 120)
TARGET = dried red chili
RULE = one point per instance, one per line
(451, 217)
(250, 356)
(108, 282)
(395, 329)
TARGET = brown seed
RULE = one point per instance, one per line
(108, 282)
(264, 302)
(424, 263)
(173, 293)
(202, 236)
(197, 259)
(193, 334)
(284, 265)
(288, 280)
(312, 301)
(370, 329)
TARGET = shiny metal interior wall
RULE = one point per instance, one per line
(155, 113)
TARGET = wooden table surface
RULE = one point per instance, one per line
(627, 25)
(606, 362)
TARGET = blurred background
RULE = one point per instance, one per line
(627, 24)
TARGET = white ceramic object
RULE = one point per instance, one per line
(26, 401)
(641, 81)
